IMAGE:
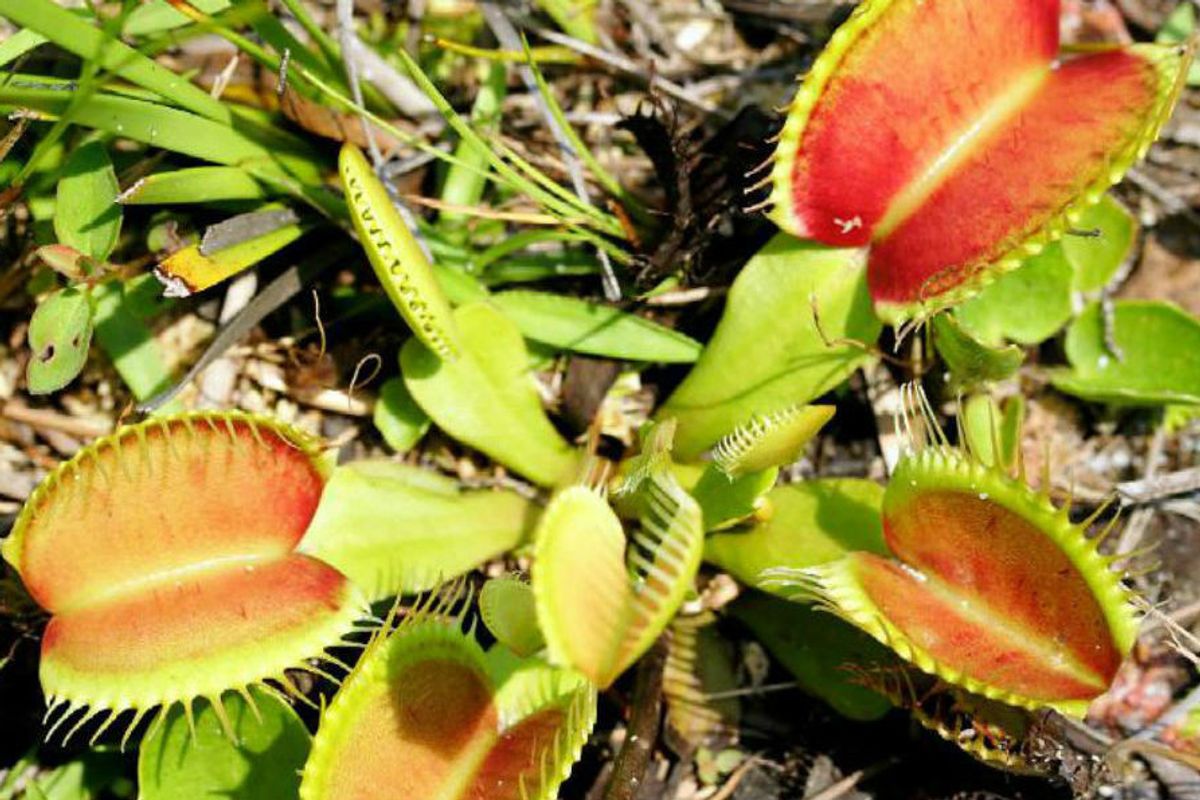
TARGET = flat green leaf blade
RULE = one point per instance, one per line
(486, 397)
(806, 524)
(193, 185)
(87, 216)
(122, 332)
(263, 760)
(1028, 305)
(584, 327)
(768, 352)
(59, 335)
(1110, 231)
(1159, 346)
(396, 529)
(398, 418)
(137, 119)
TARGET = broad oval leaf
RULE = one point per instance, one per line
(603, 600)
(250, 747)
(166, 555)
(769, 352)
(426, 714)
(1158, 360)
(87, 216)
(486, 397)
(584, 327)
(397, 529)
(991, 587)
(1027, 306)
(60, 333)
(954, 156)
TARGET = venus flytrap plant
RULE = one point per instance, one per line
(1014, 141)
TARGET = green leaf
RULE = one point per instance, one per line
(193, 185)
(805, 524)
(1159, 345)
(486, 397)
(1178, 28)
(774, 440)
(87, 216)
(254, 758)
(59, 335)
(468, 176)
(509, 611)
(817, 647)
(398, 418)
(584, 327)
(20, 43)
(1096, 259)
(156, 16)
(84, 778)
(1028, 305)
(971, 362)
(398, 529)
(121, 330)
(77, 35)
(767, 352)
(577, 18)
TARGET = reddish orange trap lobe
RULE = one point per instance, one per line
(407, 738)
(163, 498)
(984, 550)
(956, 638)
(950, 138)
(905, 91)
(195, 617)
(1026, 173)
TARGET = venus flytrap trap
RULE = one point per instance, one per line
(603, 597)
(986, 585)
(166, 554)
(1014, 141)
(427, 713)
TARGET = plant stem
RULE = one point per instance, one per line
(645, 716)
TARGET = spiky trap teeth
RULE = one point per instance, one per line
(991, 587)
(952, 157)
(165, 554)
